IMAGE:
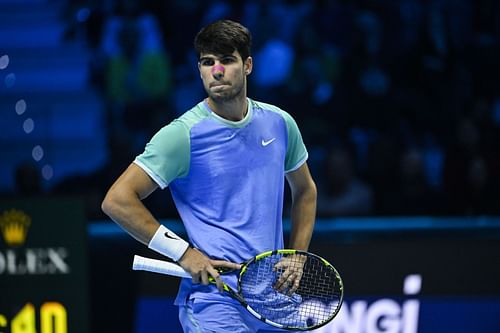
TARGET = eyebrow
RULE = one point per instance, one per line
(211, 57)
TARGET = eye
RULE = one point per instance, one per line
(206, 62)
(227, 60)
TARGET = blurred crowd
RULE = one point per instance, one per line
(398, 101)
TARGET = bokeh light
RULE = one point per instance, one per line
(20, 106)
(37, 153)
(28, 126)
(4, 61)
(10, 80)
(47, 172)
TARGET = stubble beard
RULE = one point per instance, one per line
(226, 96)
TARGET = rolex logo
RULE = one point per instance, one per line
(14, 226)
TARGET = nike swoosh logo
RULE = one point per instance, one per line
(168, 236)
(265, 143)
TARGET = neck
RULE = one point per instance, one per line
(234, 110)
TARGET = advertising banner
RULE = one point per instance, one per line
(43, 266)
(440, 280)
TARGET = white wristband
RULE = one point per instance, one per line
(166, 242)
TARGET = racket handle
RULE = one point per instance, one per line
(158, 266)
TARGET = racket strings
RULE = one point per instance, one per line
(320, 288)
(315, 301)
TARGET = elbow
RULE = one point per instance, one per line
(108, 203)
(310, 195)
(312, 191)
(306, 195)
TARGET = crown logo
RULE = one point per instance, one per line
(14, 226)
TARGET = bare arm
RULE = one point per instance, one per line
(303, 211)
(123, 204)
(303, 215)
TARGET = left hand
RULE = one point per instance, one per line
(291, 269)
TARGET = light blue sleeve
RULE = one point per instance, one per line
(166, 157)
(296, 152)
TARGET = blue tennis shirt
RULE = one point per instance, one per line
(226, 179)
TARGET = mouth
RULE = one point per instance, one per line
(218, 84)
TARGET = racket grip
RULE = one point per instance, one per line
(158, 266)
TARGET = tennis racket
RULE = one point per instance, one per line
(312, 299)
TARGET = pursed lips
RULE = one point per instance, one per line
(218, 84)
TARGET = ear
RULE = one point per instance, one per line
(199, 69)
(248, 65)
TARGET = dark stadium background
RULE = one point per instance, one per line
(398, 103)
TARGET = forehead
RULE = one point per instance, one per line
(208, 55)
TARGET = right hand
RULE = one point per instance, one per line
(201, 267)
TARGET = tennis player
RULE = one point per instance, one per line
(225, 161)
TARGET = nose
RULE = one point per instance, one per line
(218, 71)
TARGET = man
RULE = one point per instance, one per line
(225, 162)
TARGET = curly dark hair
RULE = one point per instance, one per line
(223, 37)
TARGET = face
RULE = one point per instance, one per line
(224, 76)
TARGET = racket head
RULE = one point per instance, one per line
(315, 302)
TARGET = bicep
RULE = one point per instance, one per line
(136, 181)
(300, 180)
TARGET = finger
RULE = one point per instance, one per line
(284, 286)
(282, 264)
(281, 286)
(289, 282)
(204, 278)
(282, 283)
(195, 278)
(294, 285)
(225, 264)
(217, 278)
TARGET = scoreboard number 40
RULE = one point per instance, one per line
(53, 319)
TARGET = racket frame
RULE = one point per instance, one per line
(288, 252)
(169, 268)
